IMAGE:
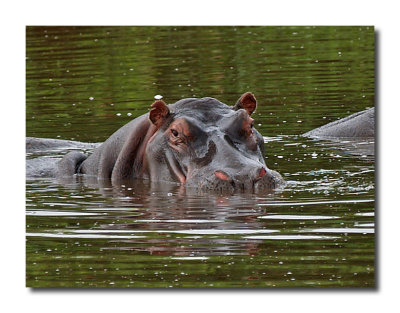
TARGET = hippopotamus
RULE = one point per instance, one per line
(357, 125)
(201, 143)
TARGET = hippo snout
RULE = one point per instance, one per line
(258, 179)
(253, 176)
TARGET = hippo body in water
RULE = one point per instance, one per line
(357, 125)
(199, 143)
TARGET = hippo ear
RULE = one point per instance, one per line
(248, 102)
(158, 113)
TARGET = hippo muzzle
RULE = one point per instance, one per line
(263, 179)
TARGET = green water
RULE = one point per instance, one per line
(83, 83)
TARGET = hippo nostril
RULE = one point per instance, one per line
(221, 175)
(262, 172)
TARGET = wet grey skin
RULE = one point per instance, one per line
(199, 143)
(357, 125)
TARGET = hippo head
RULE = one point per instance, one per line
(207, 144)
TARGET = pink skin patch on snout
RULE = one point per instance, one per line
(262, 172)
(221, 175)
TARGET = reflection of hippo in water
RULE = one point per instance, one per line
(357, 125)
(196, 142)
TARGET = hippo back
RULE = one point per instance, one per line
(357, 125)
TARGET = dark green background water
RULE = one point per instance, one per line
(83, 83)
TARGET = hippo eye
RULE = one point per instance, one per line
(174, 132)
